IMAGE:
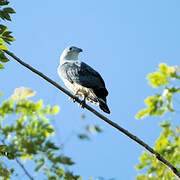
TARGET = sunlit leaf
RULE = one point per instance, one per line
(1, 66)
(55, 109)
(2, 45)
(157, 79)
(22, 93)
(168, 146)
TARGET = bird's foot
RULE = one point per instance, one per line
(83, 103)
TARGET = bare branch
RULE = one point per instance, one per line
(24, 169)
(104, 118)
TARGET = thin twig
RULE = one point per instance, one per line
(24, 169)
(113, 124)
(20, 164)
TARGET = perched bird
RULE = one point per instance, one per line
(81, 79)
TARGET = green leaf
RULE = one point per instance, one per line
(83, 136)
(51, 145)
(1, 66)
(9, 10)
(3, 2)
(3, 46)
(4, 15)
(157, 79)
(55, 109)
(60, 172)
(165, 124)
(142, 113)
(64, 160)
(93, 129)
(2, 28)
(3, 58)
(70, 176)
(2, 148)
(40, 163)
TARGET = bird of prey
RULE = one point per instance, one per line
(81, 79)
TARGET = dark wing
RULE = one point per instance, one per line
(86, 76)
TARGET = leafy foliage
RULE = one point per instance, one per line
(169, 140)
(5, 12)
(26, 134)
(163, 75)
(159, 104)
(5, 34)
(168, 146)
(4, 171)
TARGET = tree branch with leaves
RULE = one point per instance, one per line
(166, 80)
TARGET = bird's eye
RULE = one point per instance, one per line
(70, 48)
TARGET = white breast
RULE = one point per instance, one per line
(81, 91)
(76, 88)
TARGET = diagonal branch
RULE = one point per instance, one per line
(24, 169)
(104, 118)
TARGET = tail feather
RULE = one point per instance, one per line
(104, 106)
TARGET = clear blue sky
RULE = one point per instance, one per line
(123, 40)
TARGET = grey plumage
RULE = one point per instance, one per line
(83, 74)
(83, 80)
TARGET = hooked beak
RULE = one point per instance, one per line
(80, 50)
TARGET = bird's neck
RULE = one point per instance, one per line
(65, 60)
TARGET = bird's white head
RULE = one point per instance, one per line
(70, 54)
